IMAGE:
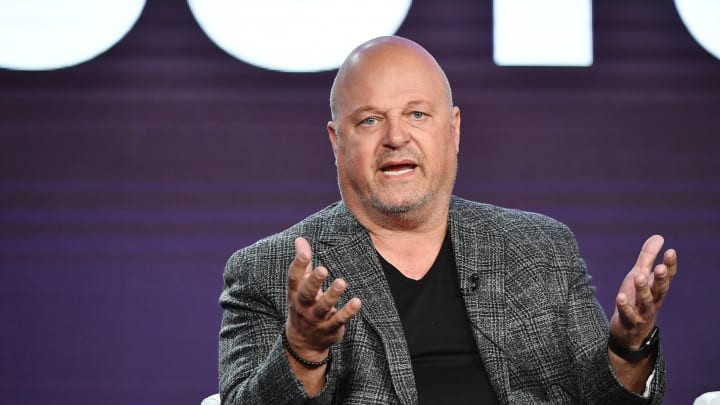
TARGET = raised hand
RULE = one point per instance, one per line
(641, 294)
(314, 323)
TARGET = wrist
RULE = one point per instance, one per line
(307, 360)
(647, 347)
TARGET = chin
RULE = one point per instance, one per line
(399, 206)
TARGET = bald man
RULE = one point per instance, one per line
(402, 293)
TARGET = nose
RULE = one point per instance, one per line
(396, 133)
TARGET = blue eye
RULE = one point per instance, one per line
(370, 121)
(418, 115)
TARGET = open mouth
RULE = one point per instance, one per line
(398, 169)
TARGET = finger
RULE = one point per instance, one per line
(326, 303)
(344, 315)
(664, 273)
(626, 311)
(301, 264)
(310, 286)
(660, 282)
(649, 253)
(643, 295)
(670, 260)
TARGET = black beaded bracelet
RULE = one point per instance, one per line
(305, 363)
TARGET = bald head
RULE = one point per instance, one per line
(377, 54)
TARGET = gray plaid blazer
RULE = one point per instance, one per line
(539, 330)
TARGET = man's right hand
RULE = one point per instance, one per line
(314, 323)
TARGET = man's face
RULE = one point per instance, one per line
(395, 135)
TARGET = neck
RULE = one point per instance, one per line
(410, 241)
(412, 253)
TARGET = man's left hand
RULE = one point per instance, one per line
(642, 293)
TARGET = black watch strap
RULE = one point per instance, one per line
(648, 345)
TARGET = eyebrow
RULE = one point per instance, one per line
(414, 103)
(369, 108)
(363, 109)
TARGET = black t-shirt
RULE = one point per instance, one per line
(445, 359)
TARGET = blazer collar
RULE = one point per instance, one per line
(345, 248)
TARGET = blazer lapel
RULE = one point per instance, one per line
(479, 256)
(347, 252)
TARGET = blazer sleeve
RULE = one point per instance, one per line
(595, 378)
(253, 367)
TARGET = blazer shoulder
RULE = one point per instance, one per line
(512, 224)
(489, 214)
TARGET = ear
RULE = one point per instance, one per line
(456, 128)
(332, 134)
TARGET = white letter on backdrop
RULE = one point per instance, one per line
(296, 35)
(52, 34)
(702, 19)
(542, 33)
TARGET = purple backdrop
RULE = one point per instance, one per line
(127, 181)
